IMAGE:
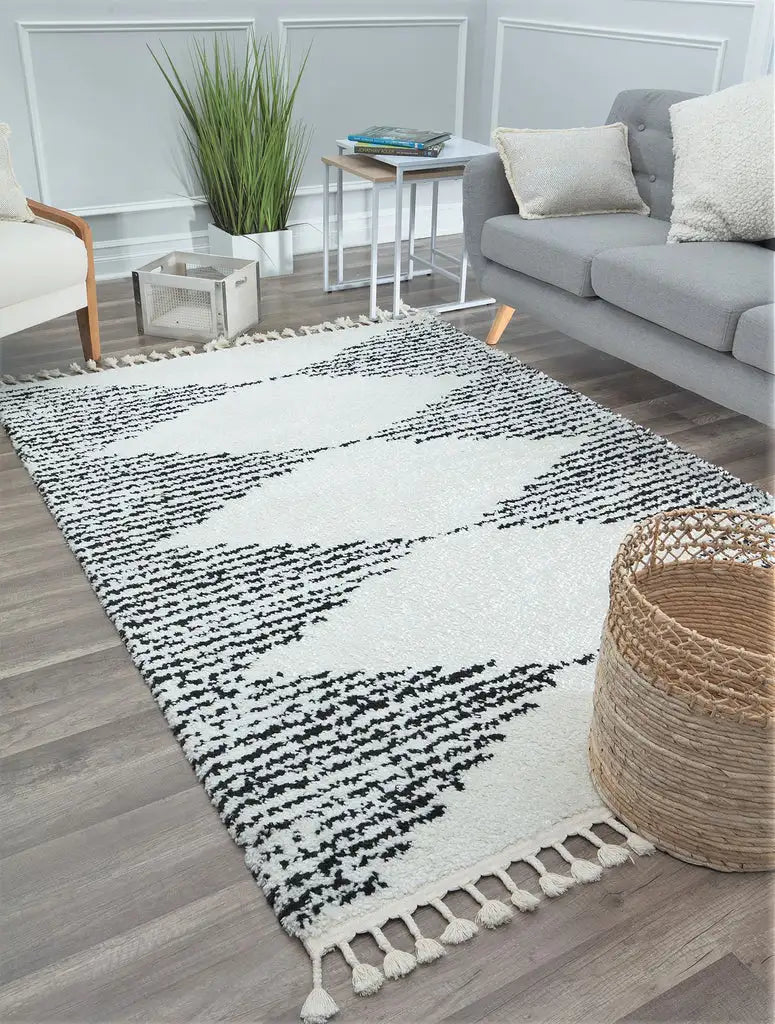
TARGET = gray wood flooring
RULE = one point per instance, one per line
(123, 898)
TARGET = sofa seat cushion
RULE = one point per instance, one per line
(755, 338)
(560, 250)
(697, 289)
(38, 258)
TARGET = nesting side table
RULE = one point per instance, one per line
(394, 172)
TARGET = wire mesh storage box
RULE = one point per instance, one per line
(196, 295)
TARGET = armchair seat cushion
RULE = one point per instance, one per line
(36, 259)
(696, 289)
(560, 250)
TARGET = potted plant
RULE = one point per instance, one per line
(246, 149)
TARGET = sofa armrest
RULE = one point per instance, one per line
(486, 193)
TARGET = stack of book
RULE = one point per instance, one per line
(380, 140)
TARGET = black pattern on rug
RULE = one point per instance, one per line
(326, 777)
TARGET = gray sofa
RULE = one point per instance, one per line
(699, 314)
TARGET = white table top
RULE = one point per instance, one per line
(456, 151)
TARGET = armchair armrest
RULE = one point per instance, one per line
(486, 193)
(77, 225)
(88, 323)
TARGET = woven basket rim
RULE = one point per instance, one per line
(626, 578)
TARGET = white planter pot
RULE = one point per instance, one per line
(272, 250)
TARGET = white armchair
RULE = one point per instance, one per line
(46, 271)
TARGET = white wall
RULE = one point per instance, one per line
(95, 129)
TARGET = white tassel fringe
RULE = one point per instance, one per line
(522, 899)
(366, 979)
(583, 871)
(318, 1006)
(397, 962)
(551, 883)
(425, 950)
(459, 929)
(642, 847)
(491, 913)
(133, 359)
(610, 856)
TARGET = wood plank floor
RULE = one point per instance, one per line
(123, 898)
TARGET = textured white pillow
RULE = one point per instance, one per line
(569, 172)
(13, 205)
(723, 180)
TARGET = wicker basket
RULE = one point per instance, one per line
(682, 741)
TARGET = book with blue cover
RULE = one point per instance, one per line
(372, 149)
(405, 138)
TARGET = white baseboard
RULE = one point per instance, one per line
(118, 257)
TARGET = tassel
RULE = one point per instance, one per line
(318, 1006)
(492, 913)
(459, 929)
(610, 856)
(397, 962)
(551, 883)
(366, 979)
(636, 843)
(521, 898)
(425, 950)
(583, 871)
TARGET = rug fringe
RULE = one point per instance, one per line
(367, 979)
(113, 363)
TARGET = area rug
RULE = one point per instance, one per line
(363, 570)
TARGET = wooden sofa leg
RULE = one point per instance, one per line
(499, 324)
(88, 323)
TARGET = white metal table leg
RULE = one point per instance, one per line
(339, 226)
(412, 213)
(463, 276)
(326, 185)
(397, 243)
(374, 250)
(434, 222)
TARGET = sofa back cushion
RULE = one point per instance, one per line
(646, 114)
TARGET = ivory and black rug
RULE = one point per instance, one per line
(364, 572)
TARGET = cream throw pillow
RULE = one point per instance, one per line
(13, 205)
(569, 172)
(723, 180)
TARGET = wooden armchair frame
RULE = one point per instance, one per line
(88, 322)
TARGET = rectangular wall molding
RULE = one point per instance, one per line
(26, 29)
(286, 25)
(717, 46)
